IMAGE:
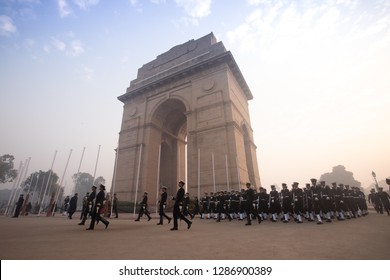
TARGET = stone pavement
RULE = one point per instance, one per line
(59, 238)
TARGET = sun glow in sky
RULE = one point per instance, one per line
(319, 72)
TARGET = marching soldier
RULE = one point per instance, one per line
(205, 205)
(186, 205)
(373, 199)
(250, 210)
(99, 203)
(163, 204)
(89, 205)
(308, 203)
(234, 206)
(221, 206)
(327, 203)
(317, 200)
(337, 194)
(144, 208)
(285, 198)
(176, 208)
(274, 204)
(19, 205)
(384, 197)
(298, 196)
(263, 204)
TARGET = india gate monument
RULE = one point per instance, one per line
(186, 117)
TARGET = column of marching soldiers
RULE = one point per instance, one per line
(316, 202)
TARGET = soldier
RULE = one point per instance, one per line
(163, 203)
(186, 206)
(90, 205)
(337, 194)
(19, 205)
(274, 204)
(308, 203)
(99, 204)
(72, 205)
(243, 204)
(115, 205)
(317, 200)
(285, 198)
(144, 208)
(212, 206)
(205, 205)
(373, 199)
(297, 197)
(384, 198)
(263, 198)
(327, 203)
(250, 210)
(196, 207)
(176, 208)
(234, 206)
(221, 206)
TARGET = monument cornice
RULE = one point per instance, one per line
(187, 68)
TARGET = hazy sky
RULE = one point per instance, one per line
(319, 72)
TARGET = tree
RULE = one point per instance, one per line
(37, 183)
(341, 176)
(7, 171)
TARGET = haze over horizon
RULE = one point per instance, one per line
(318, 71)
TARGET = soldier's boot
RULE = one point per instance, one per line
(341, 216)
(202, 216)
(241, 217)
(328, 219)
(359, 213)
(285, 220)
(299, 218)
(311, 217)
(208, 216)
(319, 220)
(273, 218)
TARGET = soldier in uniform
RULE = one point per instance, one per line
(212, 206)
(144, 208)
(274, 204)
(317, 200)
(176, 208)
(263, 198)
(327, 203)
(19, 205)
(90, 205)
(373, 199)
(221, 206)
(298, 197)
(384, 197)
(186, 206)
(337, 194)
(205, 205)
(115, 205)
(72, 205)
(196, 207)
(285, 197)
(250, 210)
(99, 204)
(163, 203)
(308, 203)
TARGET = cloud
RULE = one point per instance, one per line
(59, 45)
(76, 48)
(195, 8)
(85, 4)
(7, 26)
(64, 8)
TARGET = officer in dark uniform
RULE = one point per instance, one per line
(274, 204)
(263, 198)
(186, 206)
(308, 203)
(285, 197)
(250, 210)
(144, 208)
(374, 200)
(90, 205)
(163, 204)
(176, 208)
(99, 203)
(234, 206)
(72, 205)
(316, 191)
(384, 197)
(327, 203)
(205, 205)
(297, 197)
(19, 205)
(212, 206)
(337, 194)
(221, 206)
(115, 205)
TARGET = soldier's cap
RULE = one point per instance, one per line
(388, 181)
(380, 188)
(322, 182)
(307, 184)
(312, 179)
(272, 186)
(102, 186)
(372, 190)
(164, 187)
(182, 182)
(248, 183)
(284, 184)
(21, 195)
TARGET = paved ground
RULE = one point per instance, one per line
(58, 238)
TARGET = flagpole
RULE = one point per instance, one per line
(97, 159)
(198, 172)
(212, 160)
(14, 188)
(158, 175)
(47, 184)
(114, 179)
(227, 173)
(19, 189)
(78, 170)
(59, 187)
